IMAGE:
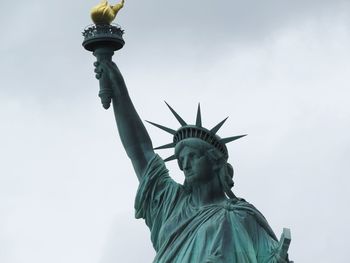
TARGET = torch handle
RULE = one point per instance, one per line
(105, 93)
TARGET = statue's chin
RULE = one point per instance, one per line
(191, 180)
(195, 180)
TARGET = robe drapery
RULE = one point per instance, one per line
(233, 231)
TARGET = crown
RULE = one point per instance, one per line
(187, 131)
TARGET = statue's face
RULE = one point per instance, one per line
(196, 165)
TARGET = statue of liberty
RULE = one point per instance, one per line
(201, 220)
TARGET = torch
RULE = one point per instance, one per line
(103, 38)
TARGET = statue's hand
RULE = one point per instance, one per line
(109, 74)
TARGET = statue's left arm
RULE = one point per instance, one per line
(268, 249)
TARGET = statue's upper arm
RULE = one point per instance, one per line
(140, 157)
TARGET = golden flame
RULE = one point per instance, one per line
(104, 13)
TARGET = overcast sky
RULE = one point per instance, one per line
(279, 69)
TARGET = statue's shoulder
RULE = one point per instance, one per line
(246, 210)
(249, 213)
(238, 203)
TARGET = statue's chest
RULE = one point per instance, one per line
(189, 222)
(176, 223)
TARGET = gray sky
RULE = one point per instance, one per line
(279, 69)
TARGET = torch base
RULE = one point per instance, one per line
(103, 35)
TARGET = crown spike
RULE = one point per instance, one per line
(173, 157)
(218, 126)
(166, 146)
(177, 116)
(231, 139)
(171, 131)
(199, 116)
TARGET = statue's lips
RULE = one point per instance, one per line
(189, 174)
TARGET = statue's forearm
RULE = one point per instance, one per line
(133, 133)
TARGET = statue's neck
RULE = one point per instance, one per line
(207, 193)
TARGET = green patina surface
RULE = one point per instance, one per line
(229, 230)
(200, 220)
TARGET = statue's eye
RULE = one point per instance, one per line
(191, 155)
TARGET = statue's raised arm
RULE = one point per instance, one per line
(132, 132)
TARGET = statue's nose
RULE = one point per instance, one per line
(186, 164)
